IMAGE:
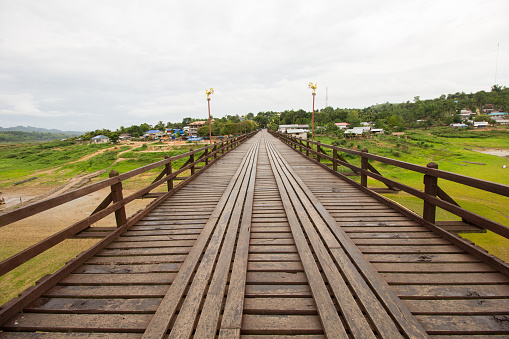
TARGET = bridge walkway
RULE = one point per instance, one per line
(267, 243)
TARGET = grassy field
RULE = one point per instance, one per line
(453, 151)
(55, 163)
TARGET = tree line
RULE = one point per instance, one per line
(443, 110)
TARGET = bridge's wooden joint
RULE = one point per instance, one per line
(169, 171)
(364, 166)
(117, 196)
(430, 189)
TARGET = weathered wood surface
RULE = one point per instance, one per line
(265, 243)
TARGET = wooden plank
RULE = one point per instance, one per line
(234, 304)
(457, 291)
(328, 314)
(78, 322)
(466, 325)
(434, 249)
(459, 307)
(283, 324)
(399, 241)
(276, 278)
(140, 291)
(423, 267)
(147, 259)
(148, 244)
(280, 306)
(103, 306)
(274, 257)
(112, 252)
(382, 320)
(450, 258)
(160, 322)
(209, 318)
(141, 268)
(275, 266)
(118, 279)
(445, 278)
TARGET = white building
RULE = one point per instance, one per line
(100, 139)
(298, 132)
(480, 124)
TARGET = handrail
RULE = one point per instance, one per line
(114, 202)
(433, 196)
(485, 185)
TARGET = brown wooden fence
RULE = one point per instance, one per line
(433, 196)
(115, 202)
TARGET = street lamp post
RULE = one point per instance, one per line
(209, 92)
(313, 87)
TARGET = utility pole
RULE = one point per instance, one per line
(209, 92)
(313, 87)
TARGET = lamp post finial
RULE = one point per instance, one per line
(209, 92)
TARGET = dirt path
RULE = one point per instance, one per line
(15, 196)
(494, 151)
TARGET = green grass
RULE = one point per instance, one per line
(19, 161)
(450, 149)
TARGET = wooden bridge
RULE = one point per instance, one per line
(265, 242)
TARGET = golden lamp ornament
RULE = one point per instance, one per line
(209, 92)
(313, 87)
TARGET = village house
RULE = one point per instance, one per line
(465, 114)
(194, 126)
(154, 134)
(100, 139)
(502, 115)
(298, 132)
(285, 128)
(125, 137)
(342, 125)
(357, 131)
(480, 124)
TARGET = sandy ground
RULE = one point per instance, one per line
(64, 215)
(494, 151)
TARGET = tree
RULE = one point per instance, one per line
(353, 118)
(203, 131)
(113, 137)
(496, 88)
(145, 127)
(160, 126)
(261, 120)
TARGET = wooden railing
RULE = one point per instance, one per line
(433, 196)
(115, 202)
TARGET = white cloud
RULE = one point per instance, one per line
(129, 62)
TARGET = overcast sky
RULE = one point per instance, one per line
(86, 65)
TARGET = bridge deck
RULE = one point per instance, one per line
(267, 243)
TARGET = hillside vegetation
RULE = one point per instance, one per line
(454, 151)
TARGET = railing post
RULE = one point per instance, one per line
(191, 160)
(206, 156)
(431, 189)
(364, 166)
(169, 170)
(116, 195)
(334, 159)
(318, 150)
(307, 148)
(213, 150)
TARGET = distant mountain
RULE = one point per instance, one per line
(30, 129)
